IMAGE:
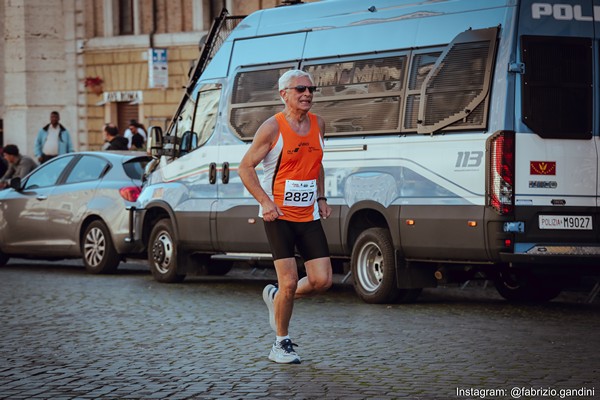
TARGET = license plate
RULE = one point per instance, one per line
(571, 222)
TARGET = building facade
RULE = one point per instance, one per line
(99, 61)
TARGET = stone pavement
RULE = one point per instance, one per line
(65, 334)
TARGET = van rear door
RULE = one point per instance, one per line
(556, 141)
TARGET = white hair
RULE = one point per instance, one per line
(286, 78)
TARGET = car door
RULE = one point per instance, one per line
(68, 205)
(24, 211)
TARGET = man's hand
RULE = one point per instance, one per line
(324, 209)
(270, 211)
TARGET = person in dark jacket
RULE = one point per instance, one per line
(115, 141)
(18, 165)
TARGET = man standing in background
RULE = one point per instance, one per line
(52, 140)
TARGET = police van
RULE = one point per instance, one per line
(462, 142)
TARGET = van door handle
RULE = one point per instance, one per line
(42, 197)
(212, 173)
(225, 173)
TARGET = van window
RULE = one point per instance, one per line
(359, 96)
(558, 86)
(207, 112)
(196, 122)
(421, 65)
(255, 98)
(455, 94)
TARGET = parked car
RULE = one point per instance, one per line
(73, 206)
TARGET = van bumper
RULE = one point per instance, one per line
(568, 256)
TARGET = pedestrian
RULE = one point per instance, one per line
(114, 140)
(52, 140)
(137, 140)
(139, 128)
(18, 165)
(291, 198)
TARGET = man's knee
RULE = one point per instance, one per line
(323, 285)
(288, 287)
(320, 282)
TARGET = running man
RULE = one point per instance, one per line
(290, 146)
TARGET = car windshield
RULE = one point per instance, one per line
(134, 168)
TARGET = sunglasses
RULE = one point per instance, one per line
(302, 88)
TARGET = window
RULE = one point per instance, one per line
(197, 120)
(48, 173)
(422, 64)
(423, 91)
(135, 168)
(255, 98)
(126, 17)
(557, 86)
(88, 168)
(205, 119)
(455, 94)
(359, 96)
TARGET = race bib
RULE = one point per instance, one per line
(299, 193)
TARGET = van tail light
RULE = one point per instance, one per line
(501, 179)
(130, 193)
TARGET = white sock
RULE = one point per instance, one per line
(280, 339)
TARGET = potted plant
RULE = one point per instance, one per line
(94, 83)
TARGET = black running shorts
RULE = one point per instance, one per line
(308, 237)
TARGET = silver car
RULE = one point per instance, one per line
(73, 206)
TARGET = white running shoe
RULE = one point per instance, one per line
(283, 353)
(268, 296)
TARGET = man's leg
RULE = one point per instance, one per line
(318, 277)
(287, 278)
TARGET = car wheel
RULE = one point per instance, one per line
(523, 286)
(373, 267)
(99, 254)
(162, 253)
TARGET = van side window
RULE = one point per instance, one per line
(455, 94)
(421, 65)
(255, 98)
(359, 96)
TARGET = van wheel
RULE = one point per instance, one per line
(373, 267)
(523, 286)
(99, 253)
(162, 253)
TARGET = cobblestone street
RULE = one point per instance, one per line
(66, 334)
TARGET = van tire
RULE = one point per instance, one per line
(523, 286)
(374, 267)
(99, 253)
(163, 252)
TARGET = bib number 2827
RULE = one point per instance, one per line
(300, 193)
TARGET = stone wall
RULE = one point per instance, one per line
(40, 69)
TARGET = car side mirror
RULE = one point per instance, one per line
(15, 183)
(155, 141)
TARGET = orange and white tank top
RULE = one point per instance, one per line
(291, 169)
